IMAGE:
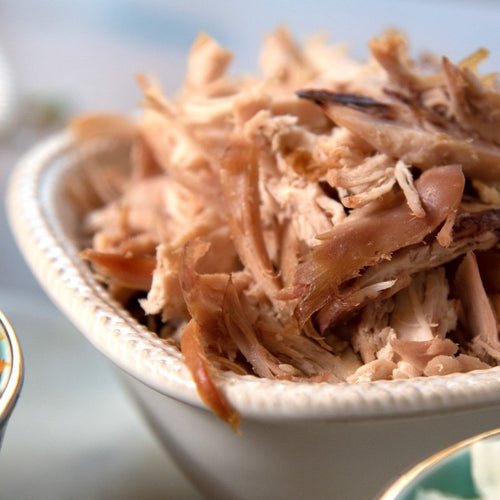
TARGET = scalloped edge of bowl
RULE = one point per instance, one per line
(36, 219)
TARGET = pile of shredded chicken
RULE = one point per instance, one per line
(327, 221)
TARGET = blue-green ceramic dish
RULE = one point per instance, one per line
(11, 375)
(448, 471)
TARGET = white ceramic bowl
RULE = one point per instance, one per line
(11, 376)
(298, 440)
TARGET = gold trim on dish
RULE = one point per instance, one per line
(15, 369)
(406, 478)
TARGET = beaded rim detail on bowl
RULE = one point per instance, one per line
(36, 218)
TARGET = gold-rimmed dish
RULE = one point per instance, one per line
(449, 473)
(11, 372)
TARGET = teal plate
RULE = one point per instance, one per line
(11, 376)
(5, 358)
(448, 471)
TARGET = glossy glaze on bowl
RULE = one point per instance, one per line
(46, 228)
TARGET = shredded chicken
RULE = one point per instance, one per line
(329, 220)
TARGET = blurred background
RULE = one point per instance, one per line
(74, 433)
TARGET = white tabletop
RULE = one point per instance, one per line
(75, 434)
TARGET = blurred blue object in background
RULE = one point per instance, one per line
(90, 51)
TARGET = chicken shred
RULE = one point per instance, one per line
(328, 220)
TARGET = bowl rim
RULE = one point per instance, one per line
(422, 468)
(15, 371)
(35, 217)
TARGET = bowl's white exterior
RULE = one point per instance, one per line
(298, 440)
(299, 459)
